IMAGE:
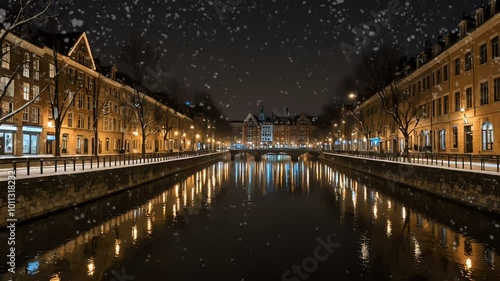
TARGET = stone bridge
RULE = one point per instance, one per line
(292, 152)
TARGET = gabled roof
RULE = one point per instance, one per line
(66, 43)
(252, 117)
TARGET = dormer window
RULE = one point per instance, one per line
(447, 42)
(493, 7)
(479, 16)
(463, 28)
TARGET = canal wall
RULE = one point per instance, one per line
(475, 189)
(39, 196)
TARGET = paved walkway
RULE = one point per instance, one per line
(79, 167)
(461, 164)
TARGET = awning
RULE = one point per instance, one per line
(7, 127)
(32, 129)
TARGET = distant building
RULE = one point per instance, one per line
(282, 129)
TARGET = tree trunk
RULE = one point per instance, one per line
(143, 146)
(407, 151)
(57, 150)
(96, 139)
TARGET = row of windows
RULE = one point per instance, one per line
(441, 106)
(34, 112)
(442, 75)
(487, 137)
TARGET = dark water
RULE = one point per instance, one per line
(272, 220)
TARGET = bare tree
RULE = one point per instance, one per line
(19, 14)
(100, 96)
(61, 101)
(139, 56)
(381, 71)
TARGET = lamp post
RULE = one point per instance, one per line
(192, 134)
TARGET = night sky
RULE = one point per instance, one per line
(279, 52)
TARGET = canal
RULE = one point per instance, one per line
(270, 220)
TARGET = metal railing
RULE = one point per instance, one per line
(450, 160)
(50, 164)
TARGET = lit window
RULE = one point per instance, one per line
(6, 55)
(26, 91)
(10, 90)
(34, 114)
(26, 114)
(442, 139)
(36, 92)
(52, 70)
(70, 119)
(36, 69)
(487, 136)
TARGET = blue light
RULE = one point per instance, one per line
(32, 267)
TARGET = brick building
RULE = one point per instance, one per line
(455, 86)
(81, 81)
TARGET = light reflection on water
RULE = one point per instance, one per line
(388, 229)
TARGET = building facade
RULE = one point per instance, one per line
(455, 88)
(279, 130)
(87, 97)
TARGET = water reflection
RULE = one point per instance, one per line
(381, 230)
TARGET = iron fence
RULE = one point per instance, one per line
(29, 165)
(450, 160)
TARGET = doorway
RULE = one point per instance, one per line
(86, 146)
(468, 139)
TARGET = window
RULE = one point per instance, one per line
(71, 75)
(26, 65)
(468, 61)
(445, 73)
(458, 104)
(89, 118)
(8, 107)
(36, 92)
(6, 55)
(80, 100)
(439, 107)
(442, 139)
(457, 66)
(105, 108)
(89, 82)
(34, 114)
(64, 144)
(487, 136)
(36, 69)
(484, 93)
(70, 119)
(455, 136)
(81, 121)
(438, 77)
(433, 108)
(3, 83)
(483, 54)
(428, 82)
(26, 91)
(106, 124)
(88, 101)
(468, 95)
(446, 107)
(497, 89)
(80, 79)
(107, 144)
(494, 47)
(52, 70)
(26, 114)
